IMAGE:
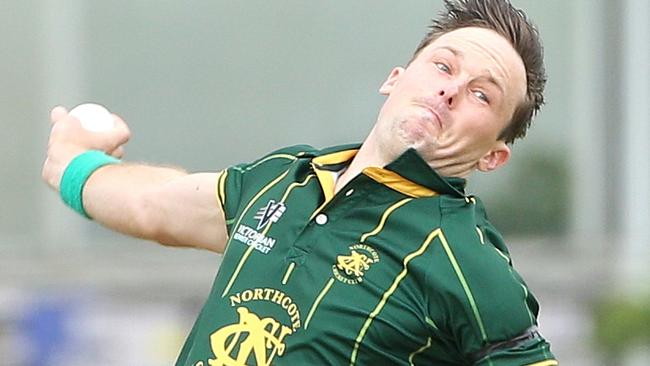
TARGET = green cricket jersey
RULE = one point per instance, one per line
(399, 267)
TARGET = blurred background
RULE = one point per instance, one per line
(206, 84)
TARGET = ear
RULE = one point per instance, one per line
(390, 82)
(496, 157)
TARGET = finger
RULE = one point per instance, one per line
(57, 113)
(118, 153)
(121, 130)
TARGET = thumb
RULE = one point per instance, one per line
(121, 132)
(57, 113)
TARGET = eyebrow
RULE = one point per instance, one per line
(489, 77)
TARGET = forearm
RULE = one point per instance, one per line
(118, 197)
(162, 204)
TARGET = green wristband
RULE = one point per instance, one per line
(77, 173)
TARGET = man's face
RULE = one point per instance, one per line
(453, 100)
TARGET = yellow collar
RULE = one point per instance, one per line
(324, 165)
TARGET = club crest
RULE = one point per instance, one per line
(352, 267)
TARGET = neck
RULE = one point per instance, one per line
(368, 156)
(453, 169)
(372, 155)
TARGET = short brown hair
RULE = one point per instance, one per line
(512, 24)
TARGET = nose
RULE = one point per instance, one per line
(449, 93)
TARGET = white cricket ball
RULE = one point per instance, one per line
(93, 117)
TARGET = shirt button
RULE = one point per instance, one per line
(321, 219)
(349, 192)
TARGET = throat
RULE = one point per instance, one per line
(454, 168)
(341, 178)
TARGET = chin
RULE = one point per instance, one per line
(418, 139)
(405, 133)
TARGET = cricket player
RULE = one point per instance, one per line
(360, 254)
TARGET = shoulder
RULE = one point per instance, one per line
(477, 251)
(277, 157)
(474, 281)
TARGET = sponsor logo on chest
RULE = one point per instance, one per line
(256, 237)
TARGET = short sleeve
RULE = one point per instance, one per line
(529, 349)
(482, 304)
(233, 182)
(228, 192)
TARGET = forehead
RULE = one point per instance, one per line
(486, 49)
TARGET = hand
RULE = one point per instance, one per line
(68, 139)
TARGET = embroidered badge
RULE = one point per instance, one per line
(351, 268)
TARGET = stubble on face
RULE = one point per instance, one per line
(416, 130)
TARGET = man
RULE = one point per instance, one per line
(356, 255)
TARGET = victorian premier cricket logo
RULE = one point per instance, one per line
(257, 238)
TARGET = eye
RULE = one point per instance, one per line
(480, 95)
(442, 67)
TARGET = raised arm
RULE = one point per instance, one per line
(162, 204)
